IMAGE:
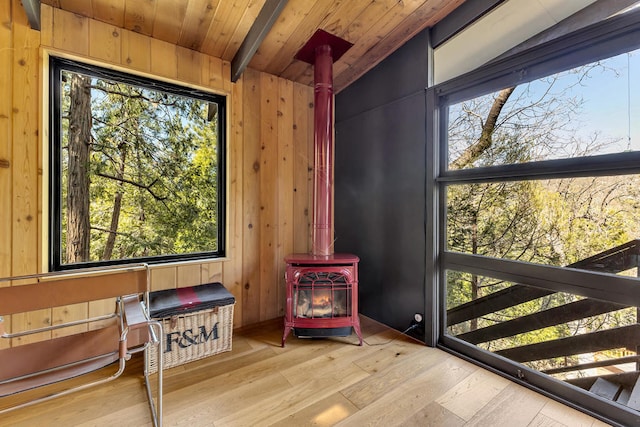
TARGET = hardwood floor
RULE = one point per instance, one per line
(390, 381)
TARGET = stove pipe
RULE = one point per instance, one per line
(322, 50)
(322, 239)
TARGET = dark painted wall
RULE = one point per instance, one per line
(380, 183)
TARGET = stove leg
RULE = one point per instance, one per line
(287, 329)
(356, 327)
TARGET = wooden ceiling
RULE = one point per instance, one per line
(219, 27)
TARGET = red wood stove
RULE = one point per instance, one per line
(322, 296)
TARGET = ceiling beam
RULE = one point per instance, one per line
(32, 7)
(258, 31)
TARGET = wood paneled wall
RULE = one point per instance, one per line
(269, 155)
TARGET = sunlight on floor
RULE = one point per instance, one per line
(331, 416)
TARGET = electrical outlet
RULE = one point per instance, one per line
(416, 329)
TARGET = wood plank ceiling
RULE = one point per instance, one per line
(218, 28)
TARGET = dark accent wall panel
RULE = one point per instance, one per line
(380, 183)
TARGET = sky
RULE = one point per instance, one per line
(613, 101)
(610, 95)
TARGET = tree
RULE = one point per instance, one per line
(77, 200)
(484, 142)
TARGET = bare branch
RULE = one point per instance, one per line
(135, 184)
(474, 151)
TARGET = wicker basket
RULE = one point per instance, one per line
(193, 335)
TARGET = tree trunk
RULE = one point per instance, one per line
(475, 150)
(474, 277)
(78, 236)
(117, 206)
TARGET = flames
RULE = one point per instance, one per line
(321, 299)
(320, 303)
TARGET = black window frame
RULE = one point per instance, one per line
(56, 66)
(601, 40)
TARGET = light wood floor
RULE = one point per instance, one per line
(390, 381)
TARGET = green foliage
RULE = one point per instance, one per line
(552, 222)
(154, 173)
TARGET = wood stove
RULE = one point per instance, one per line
(322, 287)
(322, 296)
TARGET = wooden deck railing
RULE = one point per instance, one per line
(614, 260)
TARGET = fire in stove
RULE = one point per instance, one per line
(322, 295)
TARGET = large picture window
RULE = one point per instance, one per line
(538, 201)
(137, 169)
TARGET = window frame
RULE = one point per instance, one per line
(604, 39)
(53, 159)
